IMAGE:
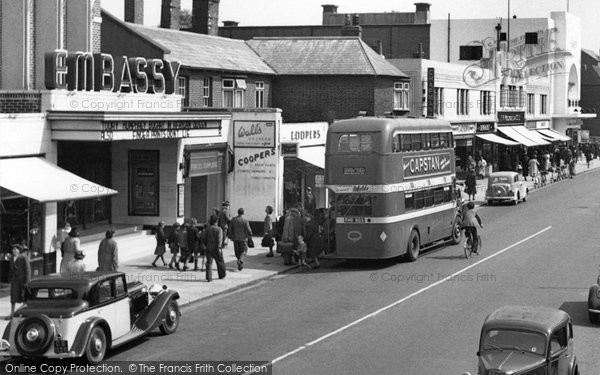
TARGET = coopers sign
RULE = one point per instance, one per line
(86, 71)
(426, 165)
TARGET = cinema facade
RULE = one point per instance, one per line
(107, 144)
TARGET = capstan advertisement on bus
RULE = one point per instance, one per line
(424, 165)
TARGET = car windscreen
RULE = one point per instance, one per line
(51, 293)
(505, 339)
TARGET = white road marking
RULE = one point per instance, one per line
(341, 329)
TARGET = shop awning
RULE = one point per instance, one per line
(38, 179)
(556, 136)
(512, 133)
(532, 134)
(314, 155)
(494, 138)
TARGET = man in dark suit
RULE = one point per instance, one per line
(224, 220)
(240, 231)
(214, 243)
(193, 245)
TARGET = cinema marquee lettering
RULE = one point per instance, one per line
(426, 165)
(86, 71)
(151, 129)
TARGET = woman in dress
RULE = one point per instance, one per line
(69, 247)
(161, 240)
(267, 240)
(471, 184)
(19, 276)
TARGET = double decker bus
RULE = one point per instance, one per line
(394, 186)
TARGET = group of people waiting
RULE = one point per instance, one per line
(192, 242)
(301, 237)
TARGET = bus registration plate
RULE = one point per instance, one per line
(355, 220)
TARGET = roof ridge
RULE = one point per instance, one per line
(362, 46)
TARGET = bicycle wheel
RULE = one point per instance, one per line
(468, 246)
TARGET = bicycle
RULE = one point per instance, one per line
(468, 247)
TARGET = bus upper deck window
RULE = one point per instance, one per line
(396, 144)
(444, 140)
(435, 140)
(425, 141)
(405, 142)
(416, 142)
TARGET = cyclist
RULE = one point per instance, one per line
(470, 221)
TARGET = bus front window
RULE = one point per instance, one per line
(354, 204)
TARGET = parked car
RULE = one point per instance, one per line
(527, 340)
(84, 315)
(594, 302)
(506, 187)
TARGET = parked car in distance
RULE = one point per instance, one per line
(527, 340)
(594, 302)
(86, 314)
(506, 187)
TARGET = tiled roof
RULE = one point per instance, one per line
(204, 51)
(322, 56)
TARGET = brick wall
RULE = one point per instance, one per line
(325, 98)
(20, 102)
(96, 27)
(196, 89)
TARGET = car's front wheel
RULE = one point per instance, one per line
(96, 347)
(171, 321)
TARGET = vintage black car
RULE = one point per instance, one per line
(86, 314)
(527, 340)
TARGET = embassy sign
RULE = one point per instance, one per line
(86, 71)
(420, 166)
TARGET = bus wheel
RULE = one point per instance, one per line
(456, 232)
(414, 244)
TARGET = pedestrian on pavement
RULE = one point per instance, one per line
(214, 244)
(224, 220)
(267, 240)
(19, 276)
(525, 164)
(161, 240)
(192, 241)
(108, 253)
(314, 240)
(534, 170)
(240, 231)
(183, 247)
(173, 242)
(68, 248)
(302, 251)
(309, 201)
(471, 184)
(588, 158)
(76, 265)
(471, 165)
(481, 165)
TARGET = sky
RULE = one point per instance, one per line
(309, 12)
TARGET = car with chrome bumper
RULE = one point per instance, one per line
(85, 315)
(526, 340)
(506, 187)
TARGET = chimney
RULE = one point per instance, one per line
(328, 10)
(205, 17)
(169, 15)
(422, 15)
(134, 11)
(353, 28)
(230, 23)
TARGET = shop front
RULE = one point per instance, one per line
(167, 165)
(303, 149)
(489, 145)
(464, 134)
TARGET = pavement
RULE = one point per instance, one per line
(580, 167)
(136, 255)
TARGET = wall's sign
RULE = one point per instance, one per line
(254, 134)
(86, 71)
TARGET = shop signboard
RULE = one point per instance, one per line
(460, 129)
(289, 149)
(305, 134)
(430, 91)
(259, 134)
(484, 127)
(204, 163)
(511, 118)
